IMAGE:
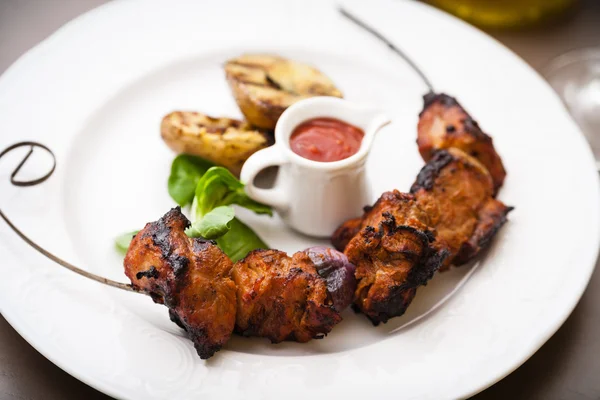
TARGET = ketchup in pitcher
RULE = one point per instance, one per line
(326, 139)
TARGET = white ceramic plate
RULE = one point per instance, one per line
(95, 92)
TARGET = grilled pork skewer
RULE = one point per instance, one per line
(451, 203)
(267, 294)
(449, 217)
(397, 245)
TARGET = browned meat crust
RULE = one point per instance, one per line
(282, 297)
(455, 191)
(492, 216)
(444, 124)
(449, 217)
(393, 254)
(189, 276)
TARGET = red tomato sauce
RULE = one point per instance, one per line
(326, 139)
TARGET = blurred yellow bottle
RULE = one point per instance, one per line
(504, 13)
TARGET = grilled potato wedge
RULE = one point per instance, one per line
(265, 85)
(224, 141)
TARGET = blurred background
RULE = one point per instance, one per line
(504, 14)
(558, 38)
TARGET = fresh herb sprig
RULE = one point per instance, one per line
(211, 191)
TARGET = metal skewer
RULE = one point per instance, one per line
(30, 242)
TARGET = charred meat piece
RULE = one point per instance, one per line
(444, 124)
(455, 191)
(189, 276)
(491, 217)
(397, 245)
(394, 254)
(282, 298)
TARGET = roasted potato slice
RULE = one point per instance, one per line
(224, 141)
(265, 85)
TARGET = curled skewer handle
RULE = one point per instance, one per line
(37, 181)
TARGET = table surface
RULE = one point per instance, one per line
(566, 367)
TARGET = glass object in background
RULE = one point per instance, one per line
(576, 78)
(504, 13)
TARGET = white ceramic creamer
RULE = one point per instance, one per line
(315, 197)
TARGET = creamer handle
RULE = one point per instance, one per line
(269, 157)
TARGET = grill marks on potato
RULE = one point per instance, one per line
(265, 85)
(224, 141)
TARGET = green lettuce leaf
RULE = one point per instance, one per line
(239, 241)
(186, 171)
(213, 224)
(123, 241)
(211, 190)
(218, 187)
